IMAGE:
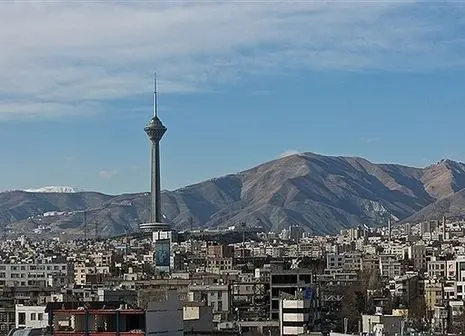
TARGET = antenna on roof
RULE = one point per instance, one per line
(155, 95)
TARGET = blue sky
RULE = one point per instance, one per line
(240, 84)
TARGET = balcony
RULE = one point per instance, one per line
(97, 318)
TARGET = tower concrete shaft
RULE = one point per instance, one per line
(156, 185)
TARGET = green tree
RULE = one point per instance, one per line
(417, 313)
(354, 304)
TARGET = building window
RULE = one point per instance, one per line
(40, 316)
(33, 316)
(22, 318)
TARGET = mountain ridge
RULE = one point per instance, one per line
(322, 194)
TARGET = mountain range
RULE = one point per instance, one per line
(321, 194)
(55, 189)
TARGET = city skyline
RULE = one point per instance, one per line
(384, 82)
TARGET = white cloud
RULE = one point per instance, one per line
(107, 174)
(68, 57)
(288, 152)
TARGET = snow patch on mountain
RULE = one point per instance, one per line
(376, 210)
(54, 189)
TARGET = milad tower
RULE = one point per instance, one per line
(162, 233)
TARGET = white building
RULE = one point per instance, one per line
(294, 316)
(30, 316)
(215, 296)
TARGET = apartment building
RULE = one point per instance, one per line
(219, 265)
(406, 287)
(220, 251)
(7, 316)
(348, 261)
(417, 253)
(288, 281)
(216, 296)
(389, 266)
(102, 259)
(83, 273)
(36, 275)
(433, 296)
(437, 269)
(370, 262)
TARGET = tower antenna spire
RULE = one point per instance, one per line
(155, 95)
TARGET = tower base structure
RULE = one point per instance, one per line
(163, 239)
(152, 227)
